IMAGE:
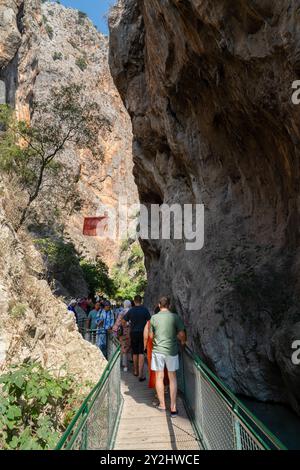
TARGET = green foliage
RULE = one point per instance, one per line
(81, 63)
(57, 251)
(129, 275)
(16, 310)
(97, 277)
(34, 406)
(13, 157)
(61, 259)
(49, 31)
(57, 56)
(32, 151)
(81, 17)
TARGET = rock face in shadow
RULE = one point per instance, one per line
(208, 86)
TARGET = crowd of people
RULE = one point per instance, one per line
(141, 335)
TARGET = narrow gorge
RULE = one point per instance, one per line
(194, 104)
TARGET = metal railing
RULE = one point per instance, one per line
(220, 419)
(95, 424)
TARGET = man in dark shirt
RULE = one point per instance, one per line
(138, 317)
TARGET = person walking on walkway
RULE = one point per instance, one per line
(148, 346)
(105, 322)
(91, 323)
(123, 334)
(137, 316)
(166, 328)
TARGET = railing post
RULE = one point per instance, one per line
(84, 443)
(237, 430)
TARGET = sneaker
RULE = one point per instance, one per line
(125, 369)
(174, 414)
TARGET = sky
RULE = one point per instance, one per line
(95, 9)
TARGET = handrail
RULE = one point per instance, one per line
(87, 404)
(255, 429)
(234, 403)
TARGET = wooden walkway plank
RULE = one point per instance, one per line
(143, 427)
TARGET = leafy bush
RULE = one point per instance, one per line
(81, 63)
(61, 259)
(57, 56)
(49, 31)
(35, 407)
(32, 151)
(16, 310)
(129, 275)
(97, 277)
(81, 17)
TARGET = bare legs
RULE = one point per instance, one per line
(135, 364)
(141, 366)
(125, 360)
(173, 390)
(138, 365)
(160, 388)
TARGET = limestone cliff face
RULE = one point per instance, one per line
(208, 87)
(56, 46)
(34, 325)
(71, 50)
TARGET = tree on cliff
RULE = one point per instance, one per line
(129, 274)
(32, 151)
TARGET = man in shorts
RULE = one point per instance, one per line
(137, 316)
(166, 328)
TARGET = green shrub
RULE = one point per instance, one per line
(35, 407)
(56, 251)
(16, 310)
(81, 63)
(81, 17)
(57, 56)
(129, 275)
(49, 31)
(97, 277)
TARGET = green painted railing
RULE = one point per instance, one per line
(95, 424)
(221, 421)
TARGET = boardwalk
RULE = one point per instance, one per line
(142, 427)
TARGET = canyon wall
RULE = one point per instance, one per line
(71, 51)
(208, 86)
(34, 324)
